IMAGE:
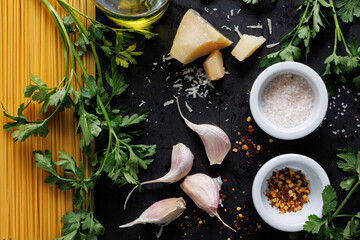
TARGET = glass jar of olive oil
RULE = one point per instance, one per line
(133, 13)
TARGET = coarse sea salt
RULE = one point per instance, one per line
(288, 100)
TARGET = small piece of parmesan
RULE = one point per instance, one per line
(269, 25)
(259, 26)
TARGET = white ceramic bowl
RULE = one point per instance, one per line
(318, 111)
(290, 222)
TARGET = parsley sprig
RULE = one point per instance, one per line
(339, 67)
(324, 227)
(314, 15)
(312, 19)
(98, 120)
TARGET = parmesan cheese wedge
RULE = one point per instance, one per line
(247, 46)
(214, 66)
(195, 38)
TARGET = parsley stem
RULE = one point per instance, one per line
(344, 215)
(69, 9)
(98, 172)
(345, 200)
(300, 23)
(338, 32)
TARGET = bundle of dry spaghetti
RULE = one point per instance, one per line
(30, 43)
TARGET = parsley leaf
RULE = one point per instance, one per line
(329, 199)
(352, 229)
(349, 160)
(314, 224)
(348, 9)
(24, 131)
(348, 182)
(80, 225)
(89, 126)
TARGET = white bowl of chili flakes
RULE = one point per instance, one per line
(281, 208)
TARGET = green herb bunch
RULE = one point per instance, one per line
(314, 16)
(98, 121)
(325, 227)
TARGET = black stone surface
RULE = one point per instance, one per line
(227, 105)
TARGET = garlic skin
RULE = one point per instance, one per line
(204, 191)
(182, 161)
(215, 140)
(161, 213)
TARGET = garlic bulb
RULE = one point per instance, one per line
(204, 191)
(161, 213)
(181, 163)
(215, 140)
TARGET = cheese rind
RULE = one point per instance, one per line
(247, 46)
(214, 66)
(195, 37)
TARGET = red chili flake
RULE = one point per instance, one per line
(287, 190)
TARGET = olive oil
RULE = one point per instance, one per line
(133, 13)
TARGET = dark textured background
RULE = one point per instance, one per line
(226, 106)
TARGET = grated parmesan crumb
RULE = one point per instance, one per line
(259, 26)
(226, 27)
(142, 103)
(188, 107)
(272, 45)
(269, 25)
(167, 103)
(236, 29)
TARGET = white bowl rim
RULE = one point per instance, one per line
(271, 166)
(320, 92)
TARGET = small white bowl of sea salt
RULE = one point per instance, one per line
(288, 100)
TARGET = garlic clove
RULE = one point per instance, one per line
(161, 213)
(215, 140)
(204, 191)
(182, 161)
